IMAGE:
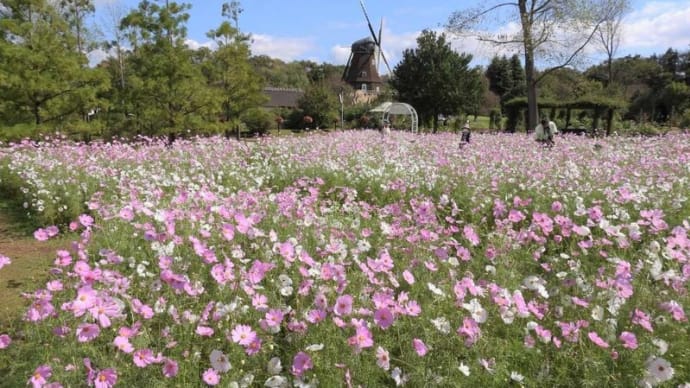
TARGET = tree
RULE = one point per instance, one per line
(499, 75)
(556, 31)
(320, 104)
(166, 89)
(230, 73)
(75, 13)
(435, 79)
(609, 34)
(42, 81)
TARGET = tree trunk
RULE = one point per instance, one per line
(529, 65)
(37, 113)
(609, 121)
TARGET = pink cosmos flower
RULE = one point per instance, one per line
(254, 347)
(103, 310)
(40, 376)
(641, 318)
(105, 378)
(629, 340)
(471, 235)
(41, 234)
(123, 344)
(5, 341)
(86, 220)
(382, 358)
(126, 213)
(143, 357)
(409, 278)
(675, 309)
(87, 332)
(343, 305)
(204, 331)
(469, 330)
(63, 258)
(211, 377)
(170, 368)
(301, 363)
(419, 347)
(4, 260)
(362, 338)
(594, 337)
(243, 335)
(274, 317)
(383, 318)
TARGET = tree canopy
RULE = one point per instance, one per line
(436, 80)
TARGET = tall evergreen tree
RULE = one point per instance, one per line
(166, 88)
(44, 78)
(229, 71)
(435, 79)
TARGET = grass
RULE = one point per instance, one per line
(30, 261)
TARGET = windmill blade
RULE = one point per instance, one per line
(378, 58)
(347, 68)
(385, 61)
(371, 29)
(377, 41)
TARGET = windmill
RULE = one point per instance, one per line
(361, 71)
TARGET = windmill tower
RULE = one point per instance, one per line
(361, 71)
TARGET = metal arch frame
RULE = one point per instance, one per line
(410, 110)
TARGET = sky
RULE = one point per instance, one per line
(323, 30)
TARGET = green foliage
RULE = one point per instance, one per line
(321, 104)
(258, 120)
(44, 78)
(436, 80)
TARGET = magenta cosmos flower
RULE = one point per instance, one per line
(301, 363)
(40, 376)
(5, 341)
(105, 378)
(87, 332)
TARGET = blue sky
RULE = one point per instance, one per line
(323, 30)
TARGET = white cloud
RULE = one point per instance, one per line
(97, 56)
(195, 45)
(340, 54)
(287, 49)
(656, 27)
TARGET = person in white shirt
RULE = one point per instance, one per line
(545, 132)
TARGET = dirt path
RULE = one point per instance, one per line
(30, 261)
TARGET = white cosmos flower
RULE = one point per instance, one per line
(533, 282)
(476, 309)
(276, 382)
(598, 313)
(516, 377)
(399, 377)
(661, 344)
(219, 361)
(441, 324)
(274, 366)
(435, 289)
(659, 369)
(314, 347)
(464, 369)
(508, 315)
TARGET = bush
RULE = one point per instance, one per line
(258, 120)
(18, 132)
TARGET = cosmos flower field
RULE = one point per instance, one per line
(351, 259)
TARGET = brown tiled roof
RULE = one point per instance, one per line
(282, 97)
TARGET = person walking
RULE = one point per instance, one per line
(465, 134)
